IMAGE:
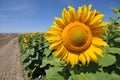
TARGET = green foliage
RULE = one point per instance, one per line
(101, 76)
(107, 60)
(53, 74)
(38, 61)
(113, 50)
(33, 49)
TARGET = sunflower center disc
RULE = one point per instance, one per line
(77, 36)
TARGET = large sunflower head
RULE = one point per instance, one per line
(77, 35)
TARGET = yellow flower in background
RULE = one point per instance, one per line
(25, 40)
(33, 34)
(118, 27)
(77, 35)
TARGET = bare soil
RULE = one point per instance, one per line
(10, 65)
(5, 38)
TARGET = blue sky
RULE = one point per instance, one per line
(38, 15)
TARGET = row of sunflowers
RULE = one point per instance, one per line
(33, 46)
(78, 46)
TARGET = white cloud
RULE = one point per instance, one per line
(4, 16)
(25, 8)
(17, 7)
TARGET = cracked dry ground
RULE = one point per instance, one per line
(10, 66)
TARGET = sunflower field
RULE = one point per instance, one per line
(78, 46)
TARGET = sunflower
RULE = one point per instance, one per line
(77, 36)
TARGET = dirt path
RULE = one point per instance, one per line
(10, 66)
(5, 38)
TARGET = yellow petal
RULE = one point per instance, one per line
(97, 50)
(75, 58)
(82, 58)
(99, 42)
(54, 30)
(60, 22)
(55, 45)
(79, 13)
(104, 23)
(92, 54)
(84, 13)
(89, 7)
(65, 16)
(96, 19)
(72, 13)
(72, 58)
(98, 31)
(92, 14)
(87, 57)
(95, 25)
(59, 52)
(54, 33)
(88, 12)
(99, 24)
(52, 37)
(64, 57)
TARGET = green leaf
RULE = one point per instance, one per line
(28, 72)
(32, 51)
(114, 76)
(46, 44)
(79, 77)
(24, 57)
(95, 76)
(115, 10)
(118, 62)
(113, 20)
(34, 43)
(53, 61)
(27, 64)
(46, 51)
(102, 76)
(107, 60)
(53, 73)
(117, 40)
(113, 50)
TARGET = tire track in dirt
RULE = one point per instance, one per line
(10, 66)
